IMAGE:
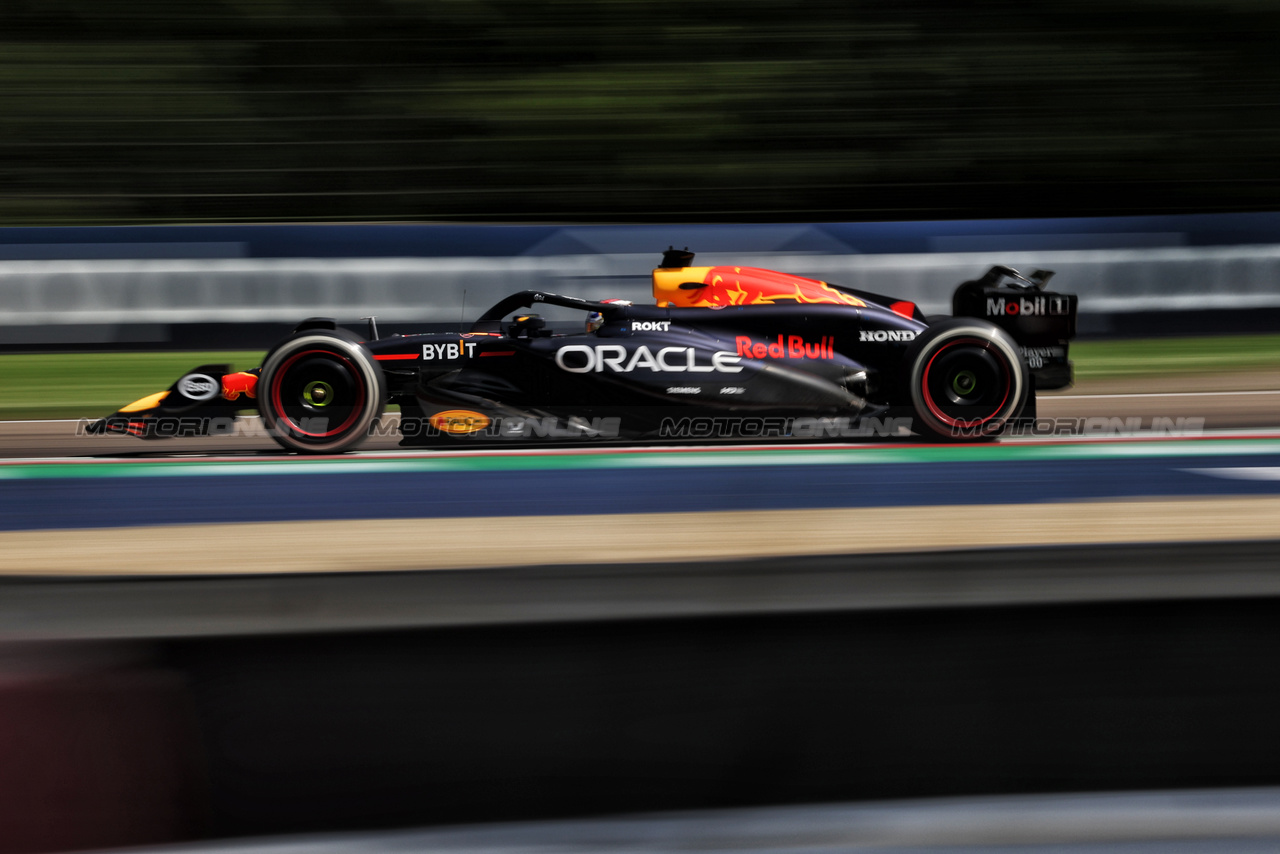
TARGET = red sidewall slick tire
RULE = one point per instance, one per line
(967, 380)
(320, 392)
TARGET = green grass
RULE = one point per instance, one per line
(1159, 356)
(92, 385)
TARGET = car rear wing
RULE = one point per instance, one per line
(1043, 322)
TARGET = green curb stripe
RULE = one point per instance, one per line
(605, 459)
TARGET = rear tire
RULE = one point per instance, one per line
(967, 380)
(319, 392)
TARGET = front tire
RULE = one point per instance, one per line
(967, 380)
(319, 392)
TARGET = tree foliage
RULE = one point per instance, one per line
(593, 110)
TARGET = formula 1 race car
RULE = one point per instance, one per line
(727, 353)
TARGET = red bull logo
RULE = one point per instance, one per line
(239, 383)
(786, 347)
(727, 286)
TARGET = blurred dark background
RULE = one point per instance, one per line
(507, 110)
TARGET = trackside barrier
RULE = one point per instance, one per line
(109, 301)
(441, 289)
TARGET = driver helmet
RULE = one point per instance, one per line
(595, 319)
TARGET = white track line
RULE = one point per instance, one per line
(1263, 473)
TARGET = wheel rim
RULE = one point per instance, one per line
(314, 390)
(318, 394)
(964, 383)
(967, 383)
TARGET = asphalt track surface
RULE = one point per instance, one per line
(115, 506)
(112, 493)
(432, 511)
